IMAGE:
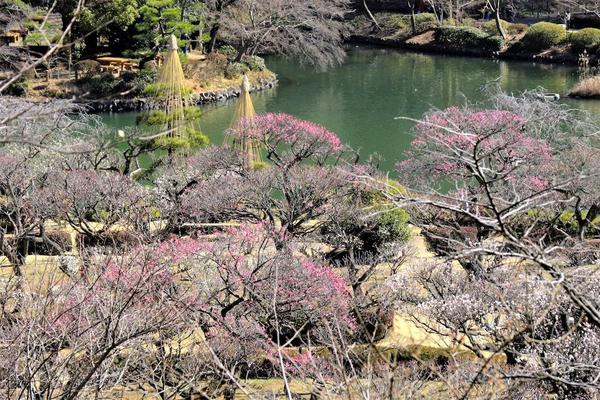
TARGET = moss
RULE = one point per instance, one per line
(425, 22)
(469, 22)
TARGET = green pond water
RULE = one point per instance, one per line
(361, 99)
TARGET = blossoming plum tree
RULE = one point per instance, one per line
(256, 301)
(97, 204)
(494, 191)
(302, 184)
(93, 331)
(289, 140)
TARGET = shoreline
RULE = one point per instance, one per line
(435, 48)
(145, 103)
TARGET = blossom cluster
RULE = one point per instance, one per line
(273, 129)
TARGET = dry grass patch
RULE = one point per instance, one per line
(422, 39)
(587, 88)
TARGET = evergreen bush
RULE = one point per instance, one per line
(543, 35)
(234, 70)
(255, 63)
(425, 22)
(229, 51)
(467, 37)
(585, 39)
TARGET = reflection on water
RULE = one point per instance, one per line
(361, 99)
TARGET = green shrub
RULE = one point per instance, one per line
(543, 35)
(234, 70)
(395, 22)
(87, 67)
(585, 39)
(491, 28)
(192, 139)
(469, 22)
(460, 36)
(228, 51)
(183, 59)
(375, 197)
(153, 117)
(37, 39)
(493, 43)
(377, 226)
(425, 22)
(392, 226)
(135, 83)
(100, 85)
(160, 117)
(255, 63)
(569, 222)
(450, 22)
(467, 37)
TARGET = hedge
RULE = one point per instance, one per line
(585, 39)
(543, 35)
(467, 37)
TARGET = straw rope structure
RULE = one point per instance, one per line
(173, 91)
(244, 112)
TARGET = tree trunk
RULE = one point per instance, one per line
(241, 53)
(212, 44)
(371, 16)
(413, 23)
(498, 21)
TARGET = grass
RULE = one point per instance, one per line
(39, 273)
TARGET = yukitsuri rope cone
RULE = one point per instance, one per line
(245, 112)
(172, 90)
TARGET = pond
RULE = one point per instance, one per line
(361, 99)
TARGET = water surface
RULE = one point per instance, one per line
(361, 99)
